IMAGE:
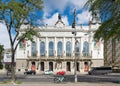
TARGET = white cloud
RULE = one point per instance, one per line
(52, 5)
(78, 4)
(65, 20)
(83, 17)
(4, 38)
(53, 19)
(50, 18)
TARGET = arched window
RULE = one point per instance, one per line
(86, 48)
(59, 49)
(34, 50)
(77, 48)
(51, 49)
(68, 49)
(42, 48)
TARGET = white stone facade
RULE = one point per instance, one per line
(56, 49)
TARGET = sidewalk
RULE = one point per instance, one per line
(63, 84)
(114, 74)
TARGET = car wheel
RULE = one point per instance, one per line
(90, 73)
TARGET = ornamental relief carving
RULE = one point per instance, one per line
(59, 39)
(51, 39)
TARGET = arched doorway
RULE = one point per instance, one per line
(78, 66)
(33, 63)
(42, 66)
(33, 67)
(86, 67)
(68, 68)
(51, 66)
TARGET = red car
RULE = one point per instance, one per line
(61, 73)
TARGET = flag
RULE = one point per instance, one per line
(24, 43)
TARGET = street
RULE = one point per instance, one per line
(84, 78)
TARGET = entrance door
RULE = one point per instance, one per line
(78, 66)
(86, 67)
(33, 67)
(42, 66)
(33, 63)
(68, 66)
(51, 66)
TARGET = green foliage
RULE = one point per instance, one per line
(30, 34)
(13, 13)
(109, 11)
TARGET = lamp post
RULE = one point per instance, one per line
(74, 33)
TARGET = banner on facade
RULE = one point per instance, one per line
(97, 44)
(22, 44)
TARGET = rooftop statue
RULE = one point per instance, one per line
(59, 17)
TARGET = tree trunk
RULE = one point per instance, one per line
(105, 53)
(13, 67)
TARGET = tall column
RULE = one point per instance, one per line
(30, 48)
(38, 47)
(64, 47)
(73, 46)
(46, 47)
(55, 47)
(80, 47)
(90, 44)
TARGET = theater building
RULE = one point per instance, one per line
(57, 49)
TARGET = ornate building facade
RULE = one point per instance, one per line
(57, 49)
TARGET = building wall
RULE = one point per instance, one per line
(59, 61)
(112, 55)
(96, 63)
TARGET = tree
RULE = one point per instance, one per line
(1, 52)
(109, 11)
(14, 13)
(1, 55)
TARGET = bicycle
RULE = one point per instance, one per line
(59, 79)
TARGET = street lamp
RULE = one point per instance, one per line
(74, 33)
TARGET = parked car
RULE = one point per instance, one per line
(30, 72)
(61, 73)
(48, 72)
(100, 70)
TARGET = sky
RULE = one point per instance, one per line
(49, 15)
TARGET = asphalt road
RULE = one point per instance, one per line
(39, 78)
